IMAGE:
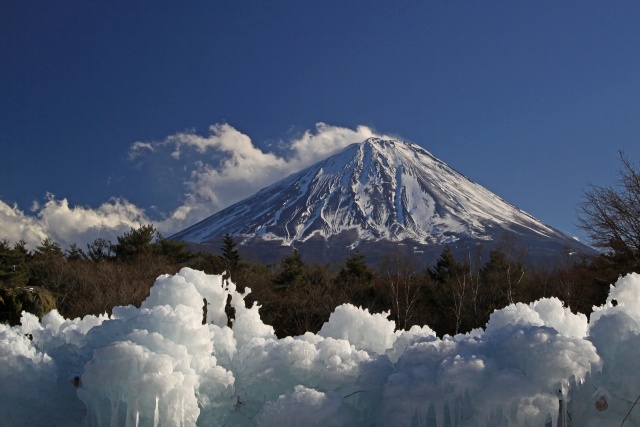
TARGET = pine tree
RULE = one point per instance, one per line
(502, 277)
(75, 253)
(175, 251)
(48, 269)
(292, 271)
(446, 268)
(14, 263)
(355, 270)
(135, 242)
(453, 288)
(100, 249)
(6, 266)
(230, 254)
(48, 249)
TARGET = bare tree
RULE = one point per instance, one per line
(515, 256)
(474, 258)
(611, 215)
(454, 283)
(459, 295)
(403, 287)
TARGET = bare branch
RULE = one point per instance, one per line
(611, 215)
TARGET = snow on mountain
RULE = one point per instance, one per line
(375, 191)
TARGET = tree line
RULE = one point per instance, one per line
(455, 294)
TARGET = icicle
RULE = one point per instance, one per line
(181, 411)
(448, 415)
(466, 412)
(115, 403)
(415, 420)
(133, 413)
(549, 421)
(156, 414)
(431, 420)
(440, 414)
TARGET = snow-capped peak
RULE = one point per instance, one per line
(378, 189)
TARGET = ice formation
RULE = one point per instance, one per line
(173, 363)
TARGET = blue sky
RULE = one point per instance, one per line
(113, 113)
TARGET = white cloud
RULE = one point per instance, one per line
(15, 225)
(137, 149)
(71, 224)
(226, 166)
(219, 170)
(65, 225)
(326, 140)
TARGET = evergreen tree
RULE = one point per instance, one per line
(48, 268)
(446, 268)
(100, 249)
(48, 249)
(6, 266)
(14, 263)
(75, 253)
(502, 277)
(208, 262)
(355, 270)
(175, 251)
(134, 243)
(230, 254)
(291, 271)
(452, 291)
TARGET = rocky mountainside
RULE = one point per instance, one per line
(377, 196)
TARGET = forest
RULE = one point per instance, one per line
(453, 295)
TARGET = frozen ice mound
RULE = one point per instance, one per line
(175, 361)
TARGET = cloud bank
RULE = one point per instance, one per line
(216, 170)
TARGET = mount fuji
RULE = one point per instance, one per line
(377, 196)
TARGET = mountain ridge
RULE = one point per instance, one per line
(376, 191)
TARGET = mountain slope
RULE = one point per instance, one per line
(377, 191)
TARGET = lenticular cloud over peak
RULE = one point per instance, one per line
(172, 363)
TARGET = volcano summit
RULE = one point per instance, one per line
(377, 196)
